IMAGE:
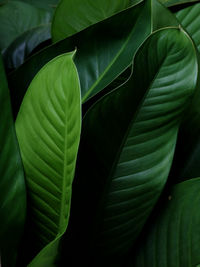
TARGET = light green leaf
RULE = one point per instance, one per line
(12, 187)
(174, 235)
(48, 130)
(128, 142)
(72, 16)
(17, 18)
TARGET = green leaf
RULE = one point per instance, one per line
(190, 20)
(169, 3)
(101, 57)
(17, 18)
(173, 237)
(187, 156)
(72, 16)
(45, 4)
(48, 130)
(12, 187)
(186, 163)
(128, 142)
(22, 46)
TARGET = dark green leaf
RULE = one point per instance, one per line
(45, 4)
(12, 187)
(190, 19)
(107, 50)
(17, 18)
(22, 46)
(48, 130)
(128, 142)
(174, 235)
(72, 16)
(169, 3)
(187, 157)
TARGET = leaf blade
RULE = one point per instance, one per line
(143, 141)
(189, 18)
(70, 16)
(171, 3)
(49, 156)
(16, 53)
(175, 230)
(116, 48)
(10, 29)
(186, 161)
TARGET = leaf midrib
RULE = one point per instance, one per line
(110, 175)
(62, 220)
(134, 118)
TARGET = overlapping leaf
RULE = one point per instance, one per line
(169, 3)
(190, 19)
(13, 195)
(72, 16)
(48, 130)
(24, 17)
(107, 49)
(128, 143)
(186, 164)
(21, 47)
(174, 236)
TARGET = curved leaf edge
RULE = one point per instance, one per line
(48, 253)
(60, 3)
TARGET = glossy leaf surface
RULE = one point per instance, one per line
(100, 58)
(16, 18)
(22, 46)
(174, 235)
(186, 163)
(72, 16)
(190, 19)
(126, 154)
(12, 187)
(48, 130)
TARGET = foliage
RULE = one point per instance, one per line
(105, 95)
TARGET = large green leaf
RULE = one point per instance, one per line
(18, 17)
(48, 130)
(127, 145)
(190, 19)
(72, 16)
(101, 57)
(187, 157)
(16, 53)
(12, 187)
(174, 235)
